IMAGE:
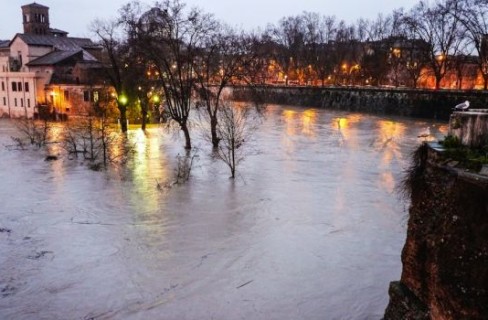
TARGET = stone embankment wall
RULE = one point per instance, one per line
(445, 257)
(433, 104)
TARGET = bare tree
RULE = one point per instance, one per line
(473, 14)
(171, 38)
(219, 64)
(347, 52)
(35, 131)
(319, 33)
(437, 26)
(235, 128)
(117, 61)
(289, 35)
(322, 63)
(228, 56)
(96, 139)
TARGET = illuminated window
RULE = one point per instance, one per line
(95, 96)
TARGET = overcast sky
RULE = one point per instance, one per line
(75, 16)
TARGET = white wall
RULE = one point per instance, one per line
(19, 103)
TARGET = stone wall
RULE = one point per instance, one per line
(445, 257)
(433, 104)
(471, 128)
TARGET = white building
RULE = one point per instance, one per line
(43, 66)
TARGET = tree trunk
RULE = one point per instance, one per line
(123, 117)
(184, 128)
(438, 83)
(213, 130)
(144, 119)
(233, 154)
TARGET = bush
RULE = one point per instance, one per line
(451, 142)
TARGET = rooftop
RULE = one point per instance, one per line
(36, 5)
(55, 57)
(60, 43)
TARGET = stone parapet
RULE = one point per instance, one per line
(471, 127)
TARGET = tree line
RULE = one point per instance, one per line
(166, 58)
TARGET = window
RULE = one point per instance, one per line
(14, 86)
(21, 102)
(95, 96)
(15, 102)
(3, 86)
(19, 86)
(86, 96)
(26, 86)
(4, 101)
(66, 95)
(28, 103)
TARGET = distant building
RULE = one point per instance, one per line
(43, 66)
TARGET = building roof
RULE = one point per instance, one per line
(56, 57)
(54, 30)
(60, 43)
(4, 44)
(36, 5)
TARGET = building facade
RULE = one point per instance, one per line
(43, 66)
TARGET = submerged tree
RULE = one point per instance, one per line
(235, 128)
(228, 56)
(117, 63)
(37, 132)
(171, 38)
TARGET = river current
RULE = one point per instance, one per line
(311, 228)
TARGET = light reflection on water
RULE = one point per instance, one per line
(310, 229)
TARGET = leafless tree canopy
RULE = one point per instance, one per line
(235, 128)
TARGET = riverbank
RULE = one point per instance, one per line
(416, 103)
(445, 256)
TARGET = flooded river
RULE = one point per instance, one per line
(312, 228)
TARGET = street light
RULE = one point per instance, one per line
(123, 99)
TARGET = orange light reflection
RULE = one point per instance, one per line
(309, 120)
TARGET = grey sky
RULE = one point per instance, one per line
(75, 16)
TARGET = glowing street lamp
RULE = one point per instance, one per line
(123, 99)
(156, 98)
